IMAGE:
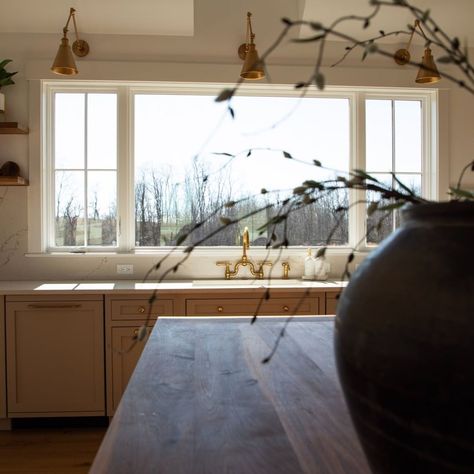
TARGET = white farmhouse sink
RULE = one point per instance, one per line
(248, 282)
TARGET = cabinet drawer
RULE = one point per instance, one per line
(138, 309)
(248, 306)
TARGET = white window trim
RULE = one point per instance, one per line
(125, 205)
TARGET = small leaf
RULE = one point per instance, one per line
(225, 94)
(366, 23)
(382, 33)
(425, 16)
(225, 220)
(181, 239)
(316, 25)
(320, 81)
(263, 191)
(223, 153)
(321, 252)
(204, 180)
(286, 21)
(231, 111)
(300, 85)
(365, 175)
(444, 59)
(287, 155)
(249, 153)
(230, 204)
(373, 206)
(317, 163)
(189, 249)
(299, 190)
(455, 43)
(461, 193)
(350, 258)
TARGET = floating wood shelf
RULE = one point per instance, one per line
(12, 128)
(13, 181)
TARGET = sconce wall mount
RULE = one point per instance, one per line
(64, 63)
(428, 72)
(253, 66)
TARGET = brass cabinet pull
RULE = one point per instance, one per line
(54, 306)
(286, 308)
(141, 309)
(135, 332)
(220, 309)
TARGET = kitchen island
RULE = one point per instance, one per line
(202, 401)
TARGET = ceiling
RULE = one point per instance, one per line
(178, 17)
(455, 16)
(124, 17)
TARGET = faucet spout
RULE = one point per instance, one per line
(256, 270)
(245, 242)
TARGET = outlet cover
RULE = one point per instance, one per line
(124, 269)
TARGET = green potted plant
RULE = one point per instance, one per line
(5, 80)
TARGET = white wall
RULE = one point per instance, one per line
(134, 59)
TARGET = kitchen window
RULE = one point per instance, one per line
(133, 167)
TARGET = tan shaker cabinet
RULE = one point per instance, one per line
(55, 357)
(3, 395)
(125, 354)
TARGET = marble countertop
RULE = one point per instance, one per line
(171, 286)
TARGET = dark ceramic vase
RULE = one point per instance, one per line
(404, 342)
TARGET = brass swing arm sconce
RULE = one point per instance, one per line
(64, 63)
(253, 66)
(428, 73)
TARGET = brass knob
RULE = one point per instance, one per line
(286, 308)
(135, 332)
(141, 309)
(220, 309)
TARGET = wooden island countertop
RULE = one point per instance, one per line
(201, 401)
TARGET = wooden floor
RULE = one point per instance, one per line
(52, 450)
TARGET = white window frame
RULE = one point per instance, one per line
(125, 176)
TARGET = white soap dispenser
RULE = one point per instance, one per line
(308, 266)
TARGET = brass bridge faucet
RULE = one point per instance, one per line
(256, 269)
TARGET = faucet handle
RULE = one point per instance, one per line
(227, 268)
(264, 262)
(286, 269)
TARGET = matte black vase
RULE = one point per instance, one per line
(404, 342)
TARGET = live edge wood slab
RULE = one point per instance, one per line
(201, 401)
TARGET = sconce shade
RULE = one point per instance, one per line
(253, 67)
(428, 73)
(64, 61)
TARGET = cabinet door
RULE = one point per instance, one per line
(125, 355)
(3, 402)
(55, 358)
(331, 302)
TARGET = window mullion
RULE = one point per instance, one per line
(357, 212)
(124, 174)
(86, 167)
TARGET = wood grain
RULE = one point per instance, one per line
(49, 450)
(201, 401)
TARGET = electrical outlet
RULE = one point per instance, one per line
(124, 269)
